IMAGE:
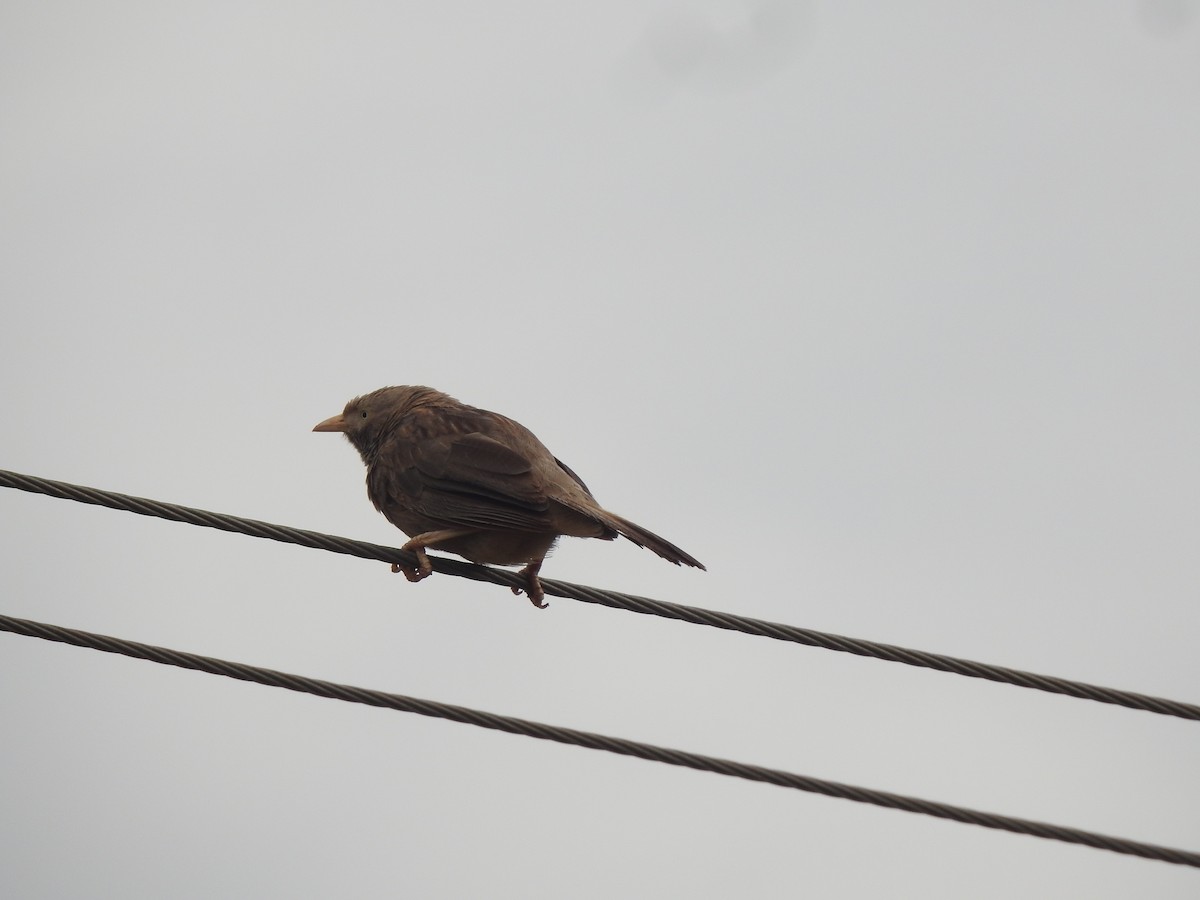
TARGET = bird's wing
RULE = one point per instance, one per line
(571, 472)
(469, 480)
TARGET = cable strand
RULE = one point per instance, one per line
(591, 740)
(612, 599)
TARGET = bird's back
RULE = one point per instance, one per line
(449, 465)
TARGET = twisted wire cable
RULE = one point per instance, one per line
(644, 605)
(621, 746)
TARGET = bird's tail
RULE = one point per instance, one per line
(650, 541)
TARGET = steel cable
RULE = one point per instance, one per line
(543, 731)
(645, 605)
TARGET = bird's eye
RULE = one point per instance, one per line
(364, 413)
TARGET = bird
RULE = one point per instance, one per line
(474, 483)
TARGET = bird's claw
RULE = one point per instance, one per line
(423, 568)
(536, 598)
(411, 573)
(533, 587)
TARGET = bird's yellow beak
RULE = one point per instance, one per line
(333, 423)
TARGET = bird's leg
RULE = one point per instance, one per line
(533, 587)
(417, 545)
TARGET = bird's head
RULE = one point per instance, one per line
(366, 420)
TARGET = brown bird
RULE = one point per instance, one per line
(473, 482)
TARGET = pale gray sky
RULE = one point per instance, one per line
(889, 313)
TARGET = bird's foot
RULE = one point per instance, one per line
(423, 568)
(533, 587)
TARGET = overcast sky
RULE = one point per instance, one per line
(889, 313)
